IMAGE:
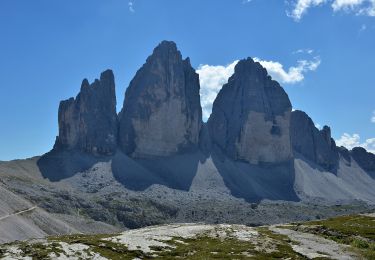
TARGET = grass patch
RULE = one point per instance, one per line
(205, 247)
(358, 231)
(39, 250)
(283, 245)
(2, 252)
(358, 225)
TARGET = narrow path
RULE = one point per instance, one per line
(18, 213)
(313, 246)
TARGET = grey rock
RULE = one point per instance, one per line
(345, 153)
(89, 122)
(250, 119)
(162, 115)
(365, 160)
(314, 144)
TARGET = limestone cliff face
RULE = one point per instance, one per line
(250, 119)
(314, 144)
(162, 114)
(365, 160)
(89, 122)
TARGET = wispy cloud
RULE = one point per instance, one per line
(373, 117)
(301, 7)
(363, 28)
(304, 51)
(358, 7)
(354, 140)
(361, 7)
(213, 77)
(131, 6)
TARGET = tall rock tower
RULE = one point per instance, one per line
(162, 115)
(250, 119)
(89, 122)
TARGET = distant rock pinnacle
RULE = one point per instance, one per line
(314, 144)
(89, 122)
(251, 116)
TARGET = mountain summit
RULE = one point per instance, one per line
(89, 122)
(250, 118)
(162, 115)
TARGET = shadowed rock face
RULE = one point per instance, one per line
(89, 123)
(250, 119)
(314, 144)
(162, 115)
(364, 159)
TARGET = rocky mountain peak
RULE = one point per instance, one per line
(89, 122)
(161, 115)
(251, 116)
(365, 160)
(163, 50)
(313, 144)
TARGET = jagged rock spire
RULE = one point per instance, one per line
(314, 144)
(162, 114)
(89, 122)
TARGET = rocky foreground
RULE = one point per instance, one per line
(350, 237)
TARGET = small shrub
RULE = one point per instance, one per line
(359, 243)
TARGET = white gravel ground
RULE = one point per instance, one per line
(144, 238)
(313, 246)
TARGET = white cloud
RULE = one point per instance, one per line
(294, 74)
(373, 117)
(304, 51)
(131, 6)
(301, 7)
(363, 28)
(351, 141)
(212, 78)
(346, 5)
(359, 7)
(348, 141)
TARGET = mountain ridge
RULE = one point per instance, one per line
(157, 162)
(252, 118)
(252, 122)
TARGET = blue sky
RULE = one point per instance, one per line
(322, 51)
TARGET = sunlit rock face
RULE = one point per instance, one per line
(89, 122)
(250, 119)
(162, 115)
(312, 143)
